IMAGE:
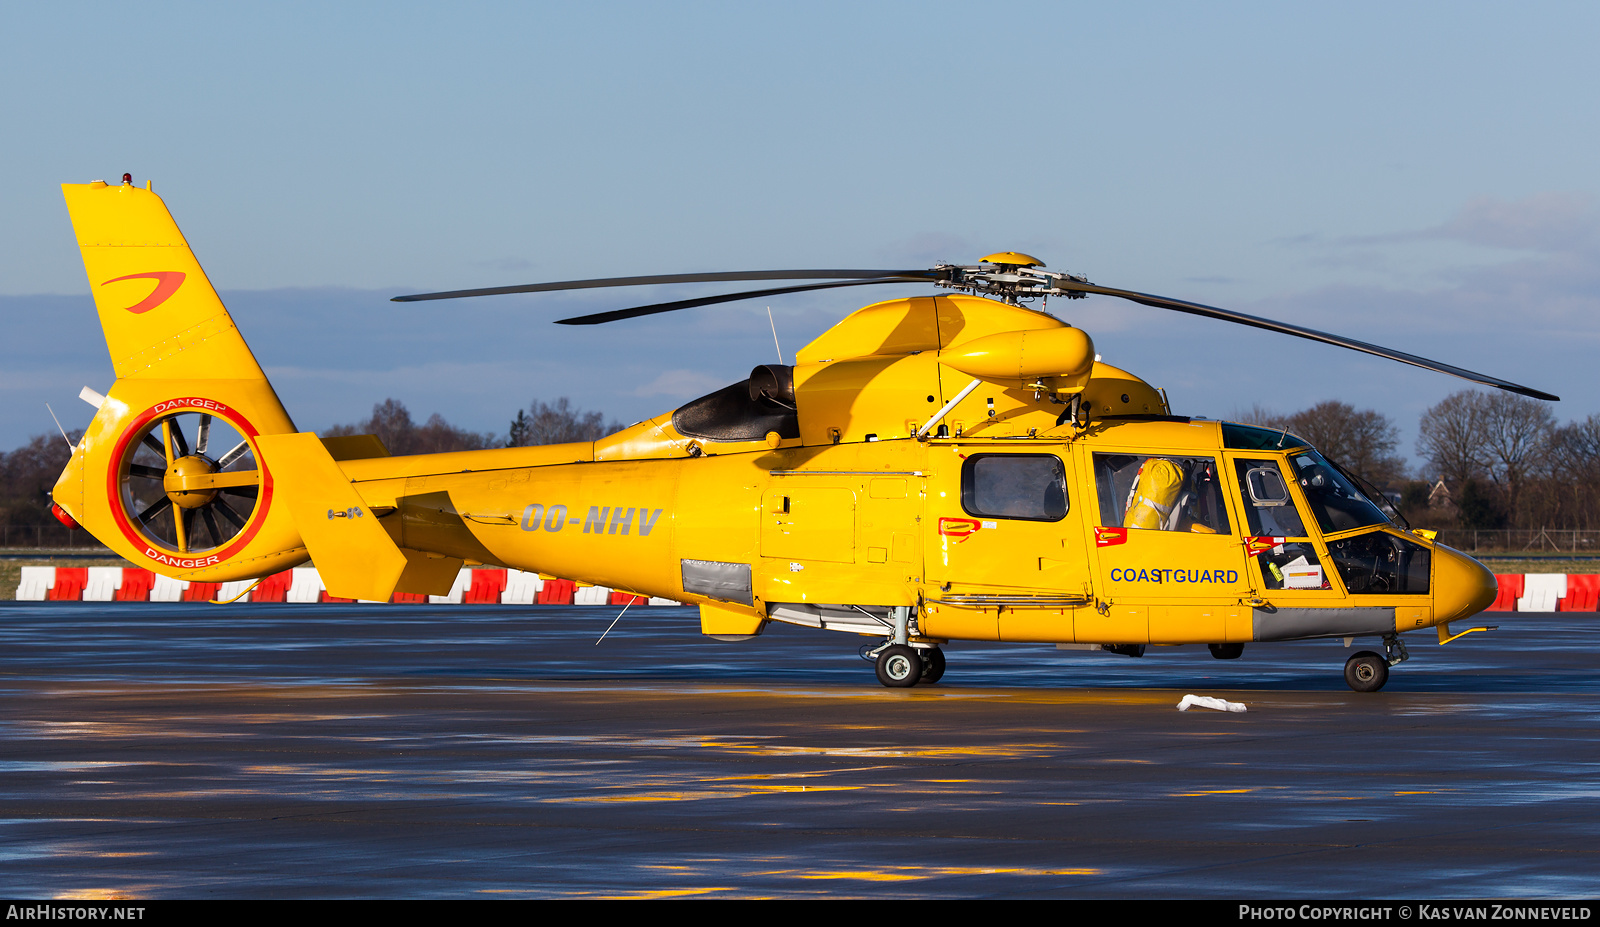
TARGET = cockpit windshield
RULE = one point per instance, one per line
(1335, 501)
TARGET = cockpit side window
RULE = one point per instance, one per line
(1380, 563)
(1268, 507)
(1160, 493)
(1032, 487)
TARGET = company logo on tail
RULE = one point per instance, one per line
(167, 283)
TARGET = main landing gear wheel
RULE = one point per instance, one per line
(932, 665)
(181, 498)
(899, 667)
(1226, 651)
(1366, 671)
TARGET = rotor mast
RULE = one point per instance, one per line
(1009, 276)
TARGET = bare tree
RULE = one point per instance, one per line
(391, 422)
(1361, 439)
(1571, 494)
(1516, 438)
(1575, 451)
(1259, 414)
(558, 423)
(27, 475)
(1451, 436)
(1500, 436)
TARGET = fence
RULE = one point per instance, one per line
(47, 536)
(1548, 540)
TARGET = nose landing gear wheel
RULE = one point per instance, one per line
(932, 665)
(899, 667)
(1366, 671)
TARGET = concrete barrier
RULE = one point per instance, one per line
(457, 591)
(1583, 593)
(521, 588)
(306, 586)
(1530, 592)
(1542, 591)
(35, 583)
(102, 584)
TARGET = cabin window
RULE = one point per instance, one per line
(1380, 563)
(1268, 508)
(1032, 487)
(1161, 493)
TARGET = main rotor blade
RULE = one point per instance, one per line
(1284, 328)
(715, 277)
(637, 311)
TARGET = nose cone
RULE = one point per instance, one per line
(1462, 586)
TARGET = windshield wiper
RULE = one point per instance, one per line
(1373, 494)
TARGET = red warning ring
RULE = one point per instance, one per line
(119, 458)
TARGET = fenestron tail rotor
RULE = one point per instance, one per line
(179, 497)
(1009, 276)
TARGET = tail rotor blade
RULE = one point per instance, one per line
(180, 444)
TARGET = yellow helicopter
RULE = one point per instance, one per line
(933, 468)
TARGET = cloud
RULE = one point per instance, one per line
(1549, 222)
(680, 384)
(1552, 222)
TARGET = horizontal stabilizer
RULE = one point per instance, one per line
(354, 554)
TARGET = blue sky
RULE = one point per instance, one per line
(1421, 176)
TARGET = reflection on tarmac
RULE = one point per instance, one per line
(393, 751)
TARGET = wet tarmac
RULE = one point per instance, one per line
(149, 750)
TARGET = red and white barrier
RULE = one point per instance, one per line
(1583, 593)
(1522, 592)
(304, 585)
(36, 583)
(1541, 592)
(521, 588)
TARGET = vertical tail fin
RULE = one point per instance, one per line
(161, 317)
(190, 403)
